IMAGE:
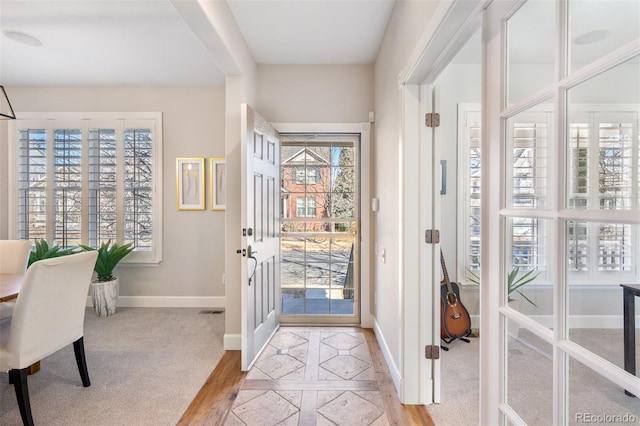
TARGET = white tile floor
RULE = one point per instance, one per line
(311, 376)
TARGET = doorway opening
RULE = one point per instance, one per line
(320, 228)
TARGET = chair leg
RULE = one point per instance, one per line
(19, 380)
(78, 348)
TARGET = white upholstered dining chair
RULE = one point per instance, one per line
(48, 316)
(14, 256)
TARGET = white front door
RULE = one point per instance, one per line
(261, 234)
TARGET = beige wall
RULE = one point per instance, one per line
(193, 126)
(407, 24)
(315, 93)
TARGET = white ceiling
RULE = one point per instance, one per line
(147, 43)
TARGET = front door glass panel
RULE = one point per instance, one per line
(320, 243)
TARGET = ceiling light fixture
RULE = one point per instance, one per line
(23, 38)
(6, 111)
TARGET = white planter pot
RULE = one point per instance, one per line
(105, 296)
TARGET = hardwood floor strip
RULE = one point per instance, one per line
(377, 358)
(418, 415)
(213, 402)
(397, 413)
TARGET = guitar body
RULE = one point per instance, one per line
(455, 321)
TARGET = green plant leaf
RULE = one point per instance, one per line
(526, 298)
(473, 277)
(44, 251)
(514, 282)
(109, 255)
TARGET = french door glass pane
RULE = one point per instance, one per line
(529, 141)
(530, 49)
(603, 141)
(529, 372)
(600, 258)
(596, 400)
(597, 27)
(527, 267)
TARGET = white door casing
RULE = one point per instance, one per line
(260, 221)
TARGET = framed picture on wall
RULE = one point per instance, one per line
(218, 183)
(190, 183)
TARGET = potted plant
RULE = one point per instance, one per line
(105, 288)
(514, 282)
(42, 250)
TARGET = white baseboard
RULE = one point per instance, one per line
(168, 302)
(393, 368)
(367, 321)
(232, 342)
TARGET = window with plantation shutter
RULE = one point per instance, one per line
(604, 174)
(90, 180)
(138, 187)
(32, 183)
(469, 130)
(103, 175)
(606, 144)
(67, 186)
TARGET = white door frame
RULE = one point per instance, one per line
(450, 28)
(366, 318)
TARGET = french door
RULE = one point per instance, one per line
(568, 206)
(320, 238)
(260, 267)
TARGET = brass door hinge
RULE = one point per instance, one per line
(432, 236)
(432, 119)
(432, 352)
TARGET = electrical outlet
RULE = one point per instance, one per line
(224, 279)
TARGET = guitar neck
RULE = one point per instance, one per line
(444, 271)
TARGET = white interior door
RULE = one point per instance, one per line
(421, 269)
(261, 234)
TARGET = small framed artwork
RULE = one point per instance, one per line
(218, 183)
(190, 183)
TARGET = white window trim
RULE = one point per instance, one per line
(152, 257)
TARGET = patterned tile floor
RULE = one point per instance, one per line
(311, 376)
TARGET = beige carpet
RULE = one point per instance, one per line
(530, 380)
(146, 365)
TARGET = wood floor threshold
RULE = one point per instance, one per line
(213, 403)
(214, 400)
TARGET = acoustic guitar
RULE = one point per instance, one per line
(455, 322)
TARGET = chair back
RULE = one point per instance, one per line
(50, 308)
(14, 256)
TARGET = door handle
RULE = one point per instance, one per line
(250, 255)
